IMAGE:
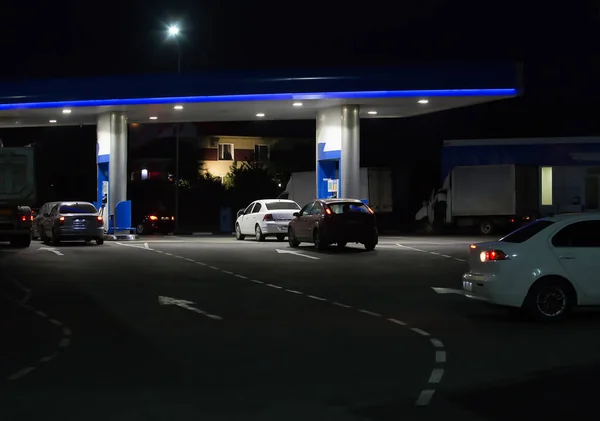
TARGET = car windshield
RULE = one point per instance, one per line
(282, 205)
(78, 208)
(525, 233)
(348, 207)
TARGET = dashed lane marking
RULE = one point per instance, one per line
(65, 330)
(440, 356)
(431, 252)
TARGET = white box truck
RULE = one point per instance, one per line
(375, 187)
(487, 197)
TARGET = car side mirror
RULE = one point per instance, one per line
(296, 214)
(46, 215)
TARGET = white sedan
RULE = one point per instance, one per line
(264, 218)
(546, 268)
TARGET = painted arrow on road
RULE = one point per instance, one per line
(295, 253)
(448, 291)
(187, 305)
(58, 253)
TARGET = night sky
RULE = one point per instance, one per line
(557, 45)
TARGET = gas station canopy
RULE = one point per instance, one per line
(272, 95)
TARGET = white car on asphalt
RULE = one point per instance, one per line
(546, 267)
(262, 218)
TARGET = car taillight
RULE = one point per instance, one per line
(172, 218)
(61, 220)
(328, 211)
(31, 217)
(268, 217)
(153, 218)
(370, 210)
(473, 246)
(100, 221)
(492, 256)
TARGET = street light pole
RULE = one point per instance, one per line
(174, 32)
(176, 228)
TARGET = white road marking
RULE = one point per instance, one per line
(459, 260)
(241, 276)
(58, 253)
(55, 322)
(201, 264)
(370, 313)
(431, 252)
(293, 291)
(64, 342)
(436, 375)
(190, 260)
(314, 297)
(425, 397)
(437, 343)
(440, 356)
(66, 331)
(21, 373)
(398, 322)
(135, 246)
(168, 254)
(49, 358)
(41, 314)
(214, 267)
(295, 253)
(186, 304)
(419, 331)
(180, 257)
(227, 272)
(256, 281)
(448, 291)
(341, 305)
(445, 255)
(274, 286)
(411, 248)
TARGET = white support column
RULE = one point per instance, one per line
(338, 150)
(112, 141)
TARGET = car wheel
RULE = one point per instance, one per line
(341, 244)
(292, 241)
(318, 240)
(238, 233)
(370, 246)
(140, 229)
(280, 237)
(99, 241)
(550, 300)
(486, 227)
(259, 235)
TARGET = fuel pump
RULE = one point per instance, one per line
(104, 206)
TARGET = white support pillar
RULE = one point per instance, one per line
(338, 150)
(112, 141)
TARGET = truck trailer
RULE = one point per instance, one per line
(17, 195)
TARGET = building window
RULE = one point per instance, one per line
(261, 153)
(225, 152)
(546, 179)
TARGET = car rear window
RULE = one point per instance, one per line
(78, 208)
(282, 206)
(349, 207)
(525, 233)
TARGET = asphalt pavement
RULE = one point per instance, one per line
(210, 328)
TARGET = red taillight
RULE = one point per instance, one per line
(31, 218)
(492, 256)
(24, 218)
(328, 211)
(61, 220)
(153, 218)
(100, 221)
(473, 246)
(268, 217)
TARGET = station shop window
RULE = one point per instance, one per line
(546, 181)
